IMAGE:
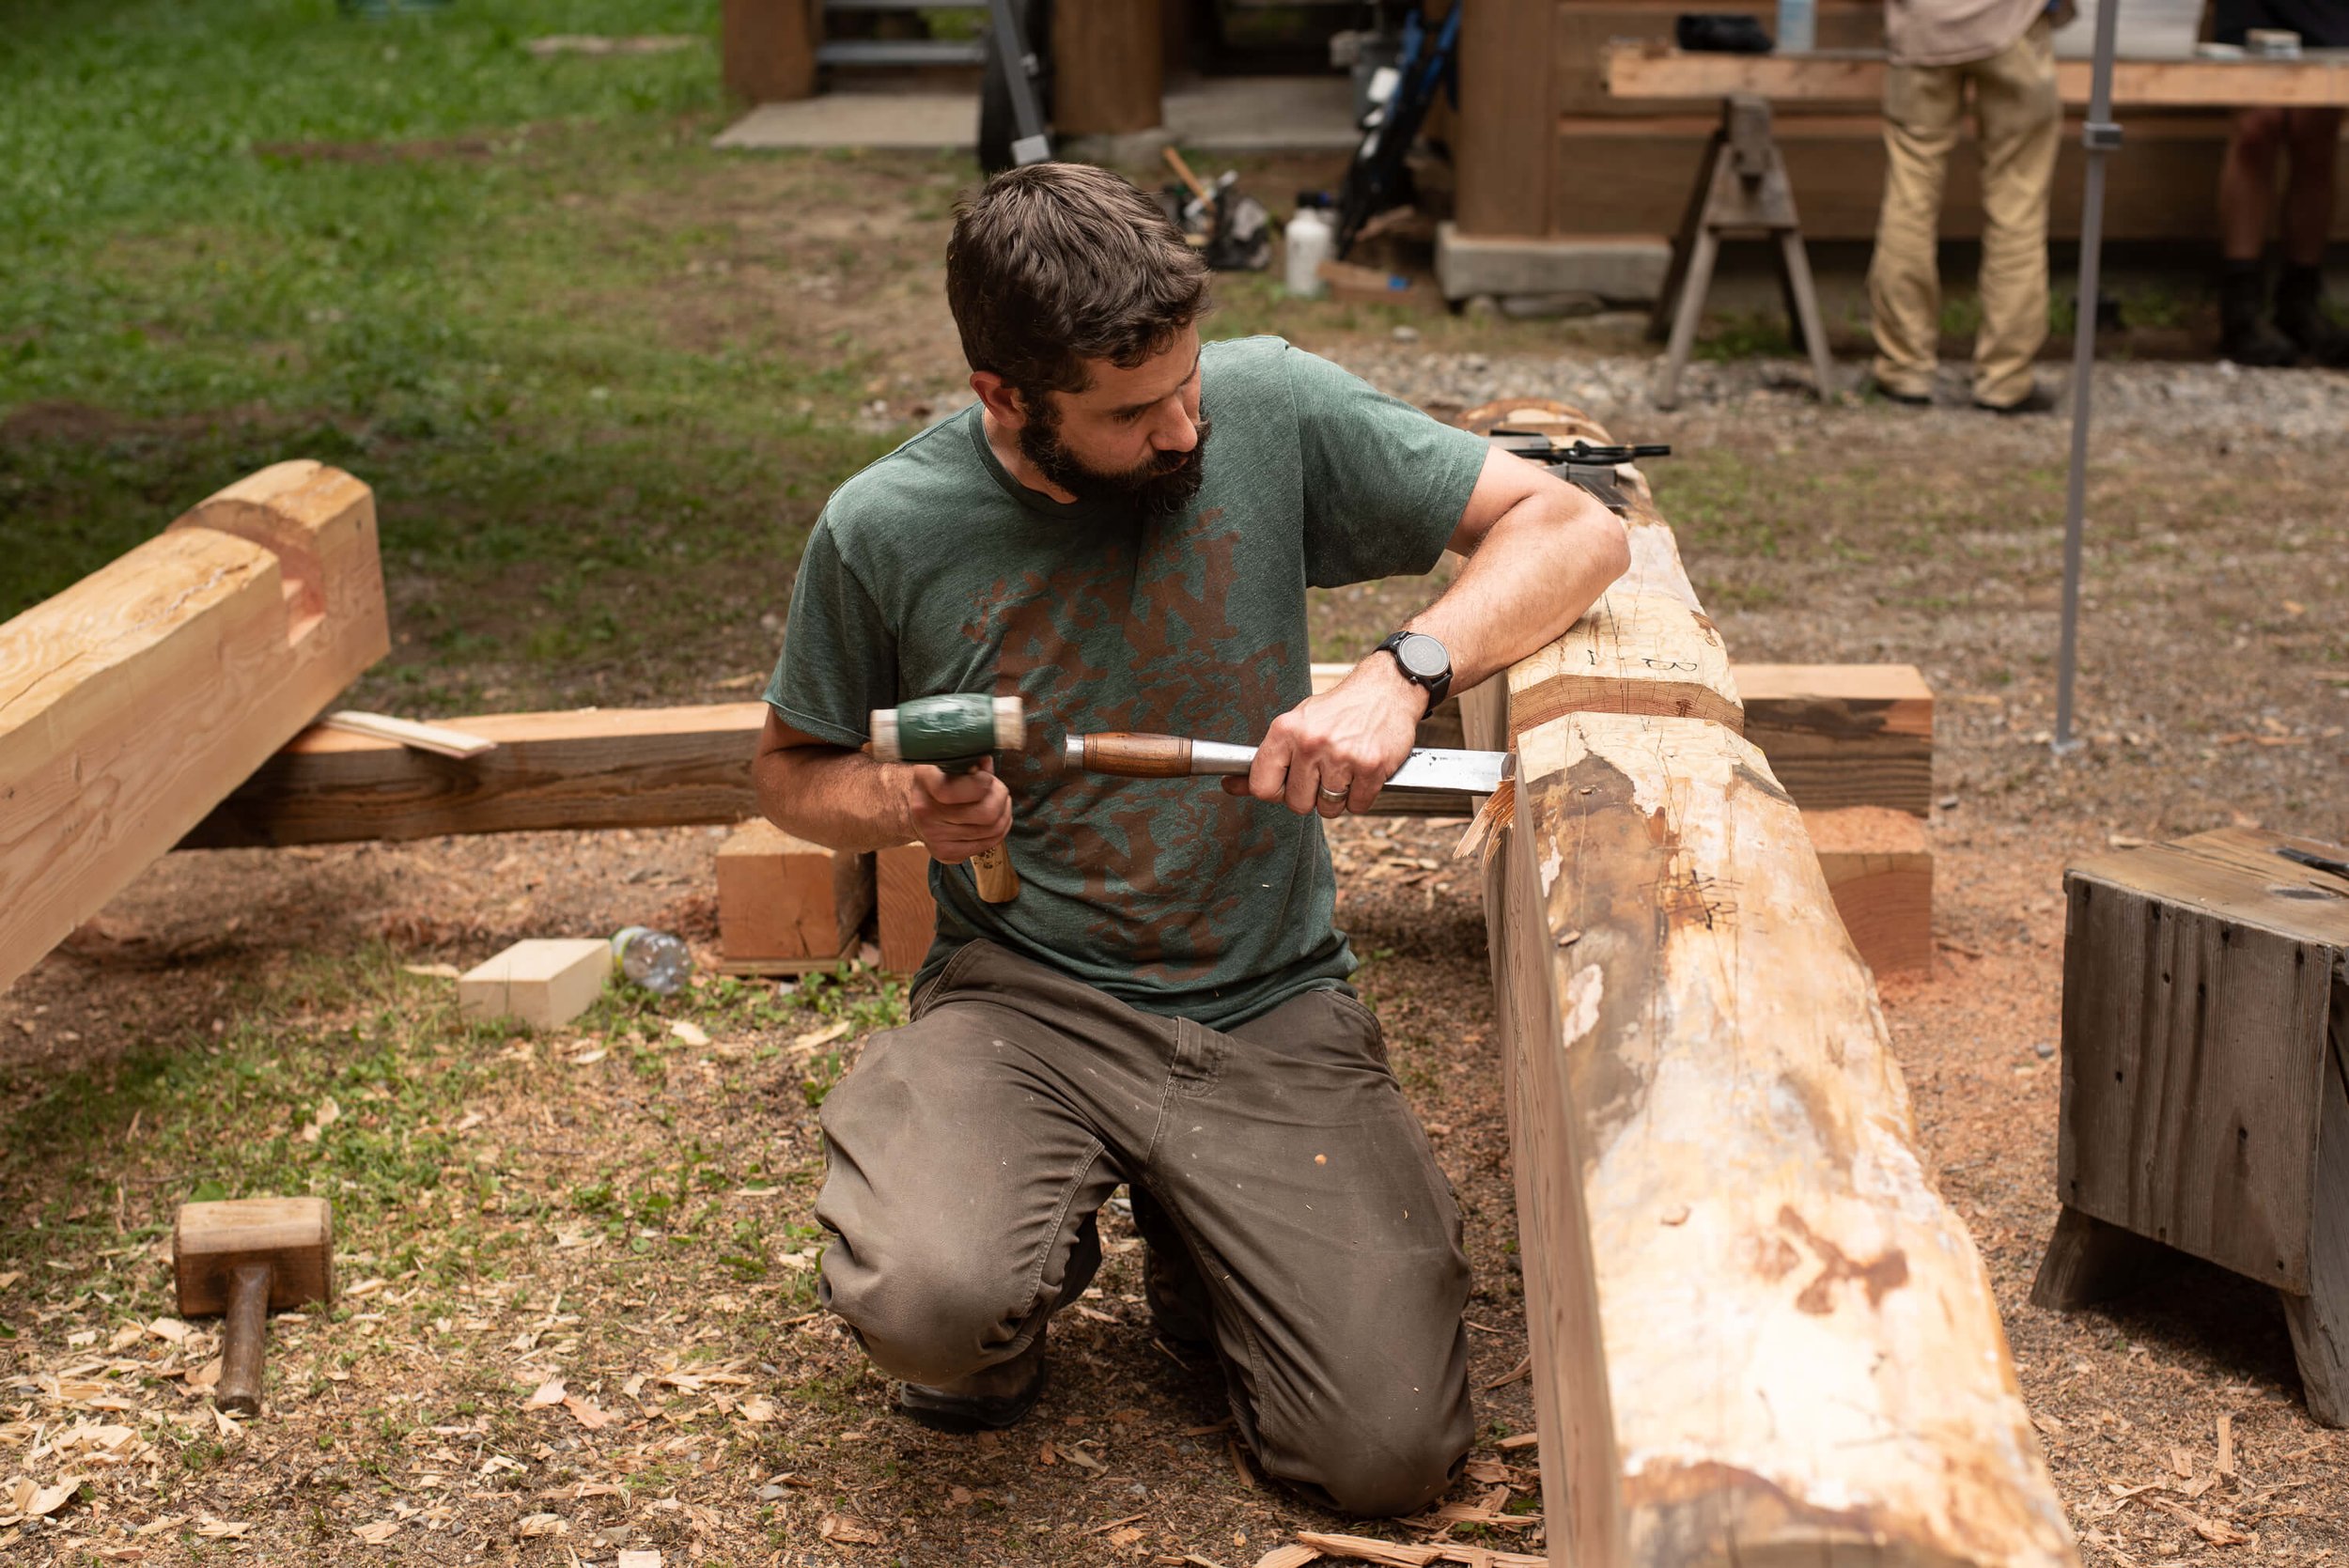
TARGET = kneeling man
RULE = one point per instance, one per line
(1121, 532)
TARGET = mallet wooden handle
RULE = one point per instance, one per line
(992, 869)
(242, 1336)
(1156, 756)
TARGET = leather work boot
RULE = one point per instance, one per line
(1002, 1395)
(2244, 335)
(987, 1401)
(2300, 316)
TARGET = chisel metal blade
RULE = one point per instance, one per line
(1477, 772)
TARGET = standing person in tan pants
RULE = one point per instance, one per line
(2003, 48)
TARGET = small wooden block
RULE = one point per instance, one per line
(781, 897)
(909, 915)
(1880, 871)
(295, 1237)
(546, 982)
(1844, 735)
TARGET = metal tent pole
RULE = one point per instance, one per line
(2098, 137)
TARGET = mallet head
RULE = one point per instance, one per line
(294, 1237)
(953, 727)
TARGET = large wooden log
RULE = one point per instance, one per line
(1760, 1334)
(135, 700)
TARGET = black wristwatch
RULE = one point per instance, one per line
(1423, 662)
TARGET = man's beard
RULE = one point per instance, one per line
(1160, 486)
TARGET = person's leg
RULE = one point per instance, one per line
(1920, 120)
(1329, 1244)
(2314, 136)
(2022, 119)
(963, 1174)
(2247, 200)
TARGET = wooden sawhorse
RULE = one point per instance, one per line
(2206, 1081)
(1741, 191)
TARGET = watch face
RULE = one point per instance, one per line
(1424, 657)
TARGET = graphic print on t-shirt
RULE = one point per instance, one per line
(1162, 860)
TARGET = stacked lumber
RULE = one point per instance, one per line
(1759, 1334)
(134, 701)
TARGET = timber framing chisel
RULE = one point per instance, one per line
(1431, 781)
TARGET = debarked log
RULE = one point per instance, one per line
(1760, 1336)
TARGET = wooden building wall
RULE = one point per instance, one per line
(1544, 151)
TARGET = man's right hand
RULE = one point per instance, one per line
(957, 814)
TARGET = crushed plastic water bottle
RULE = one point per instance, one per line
(653, 960)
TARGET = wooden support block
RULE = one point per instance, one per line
(1844, 735)
(783, 898)
(134, 701)
(908, 914)
(1879, 872)
(1760, 1335)
(1836, 735)
(546, 982)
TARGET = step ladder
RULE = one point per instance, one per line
(898, 54)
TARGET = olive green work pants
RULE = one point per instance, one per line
(967, 1148)
(2021, 119)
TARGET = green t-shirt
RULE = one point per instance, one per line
(934, 570)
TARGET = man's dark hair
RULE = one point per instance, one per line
(1055, 264)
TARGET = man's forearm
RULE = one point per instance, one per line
(834, 797)
(1541, 564)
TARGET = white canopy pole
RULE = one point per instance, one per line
(2098, 137)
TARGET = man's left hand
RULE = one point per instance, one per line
(1333, 753)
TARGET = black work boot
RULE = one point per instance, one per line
(1002, 1395)
(2244, 335)
(2300, 316)
(1170, 1282)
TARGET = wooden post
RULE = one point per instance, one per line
(1508, 129)
(1758, 1332)
(132, 703)
(766, 48)
(908, 915)
(1109, 67)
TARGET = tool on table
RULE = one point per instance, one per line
(1430, 769)
(957, 731)
(245, 1258)
(1578, 462)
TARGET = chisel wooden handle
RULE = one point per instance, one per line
(1156, 756)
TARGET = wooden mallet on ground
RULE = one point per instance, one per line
(957, 731)
(245, 1258)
